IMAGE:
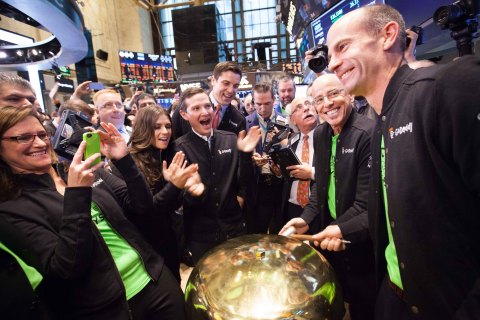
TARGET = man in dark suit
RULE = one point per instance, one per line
(224, 163)
(296, 189)
(225, 82)
(264, 192)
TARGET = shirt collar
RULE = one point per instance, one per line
(309, 134)
(215, 103)
(263, 120)
(203, 137)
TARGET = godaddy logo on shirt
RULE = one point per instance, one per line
(224, 151)
(96, 183)
(401, 130)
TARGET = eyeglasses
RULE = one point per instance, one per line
(28, 138)
(332, 94)
(302, 106)
(111, 105)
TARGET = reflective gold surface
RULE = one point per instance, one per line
(263, 277)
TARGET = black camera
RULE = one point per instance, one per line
(418, 30)
(69, 133)
(320, 60)
(461, 18)
(446, 16)
(280, 124)
(282, 128)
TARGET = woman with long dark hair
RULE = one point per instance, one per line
(152, 148)
(94, 262)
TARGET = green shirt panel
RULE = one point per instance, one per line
(33, 276)
(127, 259)
(331, 181)
(390, 252)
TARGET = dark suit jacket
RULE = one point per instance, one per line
(252, 191)
(252, 120)
(180, 126)
(232, 121)
(287, 181)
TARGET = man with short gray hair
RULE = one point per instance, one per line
(16, 91)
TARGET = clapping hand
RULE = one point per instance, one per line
(194, 185)
(248, 142)
(177, 161)
(178, 173)
(112, 144)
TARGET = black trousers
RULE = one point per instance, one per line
(389, 306)
(198, 249)
(265, 214)
(160, 300)
(293, 211)
(199, 245)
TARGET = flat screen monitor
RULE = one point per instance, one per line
(145, 67)
(321, 25)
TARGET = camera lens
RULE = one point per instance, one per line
(89, 135)
(317, 64)
(320, 60)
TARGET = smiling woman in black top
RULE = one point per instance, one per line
(152, 148)
(99, 270)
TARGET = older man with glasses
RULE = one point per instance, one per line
(296, 191)
(109, 107)
(337, 206)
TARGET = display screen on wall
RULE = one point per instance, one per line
(145, 67)
(297, 14)
(322, 24)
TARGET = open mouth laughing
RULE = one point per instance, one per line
(206, 122)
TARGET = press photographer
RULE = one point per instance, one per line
(262, 204)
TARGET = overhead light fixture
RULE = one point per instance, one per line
(66, 44)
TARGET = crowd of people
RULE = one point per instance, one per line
(388, 184)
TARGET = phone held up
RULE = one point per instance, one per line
(96, 86)
(93, 145)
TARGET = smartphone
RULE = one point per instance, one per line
(93, 145)
(96, 86)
